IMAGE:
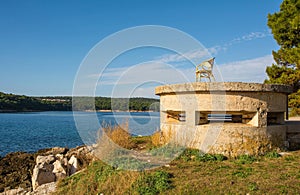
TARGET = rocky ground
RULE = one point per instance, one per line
(17, 169)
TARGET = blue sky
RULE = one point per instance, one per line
(43, 42)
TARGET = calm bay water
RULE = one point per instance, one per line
(30, 132)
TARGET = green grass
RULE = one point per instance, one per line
(196, 155)
(243, 172)
(153, 183)
(168, 151)
(272, 154)
(192, 172)
(245, 159)
(252, 186)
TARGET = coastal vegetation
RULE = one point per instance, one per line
(192, 173)
(22, 103)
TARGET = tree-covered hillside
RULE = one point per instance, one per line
(19, 103)
(121, 104)
(22, 103)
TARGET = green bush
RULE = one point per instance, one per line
(188, 154)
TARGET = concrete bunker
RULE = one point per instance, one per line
(230, 118)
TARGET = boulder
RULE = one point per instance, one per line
(42, 173)
(21, 172)
(58, 164)
(83, 154)
(45, 159)
(53, 151)
(59, 156)
(48, 188)
(49, 169)
(18, 191)
(59, 170)
(73, 162)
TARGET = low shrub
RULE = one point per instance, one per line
(153, 183)
(119, 134)
(156, 138)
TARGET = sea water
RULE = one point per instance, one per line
(32, 131)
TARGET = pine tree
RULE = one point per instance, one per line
(285, 26)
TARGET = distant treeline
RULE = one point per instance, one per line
(22, 103)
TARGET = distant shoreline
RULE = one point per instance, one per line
(17, 111)
(11, 103)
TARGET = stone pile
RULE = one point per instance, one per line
(50, 166)
(59, 164)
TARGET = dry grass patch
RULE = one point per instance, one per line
(156, 138)
(119, 134)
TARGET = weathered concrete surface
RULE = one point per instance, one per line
(228, 139)
(222, 86)
(257, 116)
(293, 133)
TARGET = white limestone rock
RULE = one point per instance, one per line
(59, 170)
(45, 159)
(42, 174)
(73, 162)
